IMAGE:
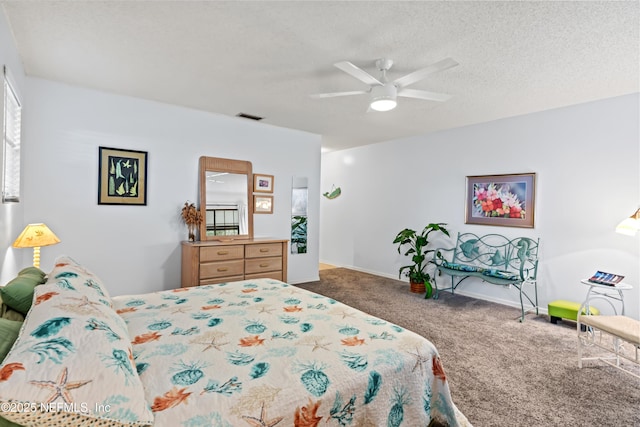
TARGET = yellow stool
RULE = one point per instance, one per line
(561, 309)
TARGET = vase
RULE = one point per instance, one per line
(192, 233)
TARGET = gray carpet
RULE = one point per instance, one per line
(501, 372)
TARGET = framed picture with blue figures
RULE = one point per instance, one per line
(122, 177)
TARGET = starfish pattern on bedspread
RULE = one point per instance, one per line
(262, 421)
(210, 340)
(61, 386)
(420, 361)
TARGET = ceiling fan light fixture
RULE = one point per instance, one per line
(383, 98)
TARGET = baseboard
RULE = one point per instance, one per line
(514, 304)
(501, 301)
(364, 270)
(297, 282)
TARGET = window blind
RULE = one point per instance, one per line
(11, 143)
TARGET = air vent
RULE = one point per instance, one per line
(249, 116)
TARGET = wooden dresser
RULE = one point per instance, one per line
(205, 263)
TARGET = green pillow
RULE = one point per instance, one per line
(18, 293)
(9, 330)
(9, 314)
(6, 423)
(32, 270)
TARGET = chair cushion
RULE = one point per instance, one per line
(621, 326)
(500, 274)
(462, 267)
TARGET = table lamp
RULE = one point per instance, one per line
(34, 236)
(630, 226)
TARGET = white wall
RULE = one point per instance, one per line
(11, 214)
(587, 161)
(136, 249)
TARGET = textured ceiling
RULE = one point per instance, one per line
(265, 58)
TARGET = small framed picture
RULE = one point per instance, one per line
(262, 204)
(262, 183)
(122, 177)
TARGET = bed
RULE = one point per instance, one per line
(253, 352)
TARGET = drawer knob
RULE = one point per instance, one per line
(222, 268)
(264, 265)
(264, 250)
(223, 252)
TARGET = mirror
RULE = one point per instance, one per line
(225, 187)
(299, 201)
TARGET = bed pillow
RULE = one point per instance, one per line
(68, 274)
(73, 338)
(18, 293)
(9, 330)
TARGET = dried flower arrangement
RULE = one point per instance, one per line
(192, 217)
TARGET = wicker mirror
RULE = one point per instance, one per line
(226, 186)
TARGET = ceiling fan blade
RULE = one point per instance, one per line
(424, 72)
(358, 73)
(424, 94)
(334, 94)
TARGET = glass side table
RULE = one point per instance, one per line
(605, 293)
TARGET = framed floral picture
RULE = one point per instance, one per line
(503, 200)
(262, 204)
(122, 177)
(262, 183)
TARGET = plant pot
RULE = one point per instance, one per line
(421, 288)
(417, 287)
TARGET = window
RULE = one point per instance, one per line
(11, 142)
(222, 222)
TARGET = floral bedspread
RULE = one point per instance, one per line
(265, 353)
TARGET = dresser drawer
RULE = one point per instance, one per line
(277, 275)
(264, 250)
(221, 269)
(213, 262)
(221, 253)
(258, 265)
(216, 280)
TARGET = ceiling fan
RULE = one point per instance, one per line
(383, 92)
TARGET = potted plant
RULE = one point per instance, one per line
(192, 217)
(299, 233)
(416, 245)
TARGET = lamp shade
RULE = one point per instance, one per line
(36, 235)
(383, 98)
(629, 226)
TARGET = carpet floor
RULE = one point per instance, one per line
(501, 372)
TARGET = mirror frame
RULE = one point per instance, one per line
(217, 164)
